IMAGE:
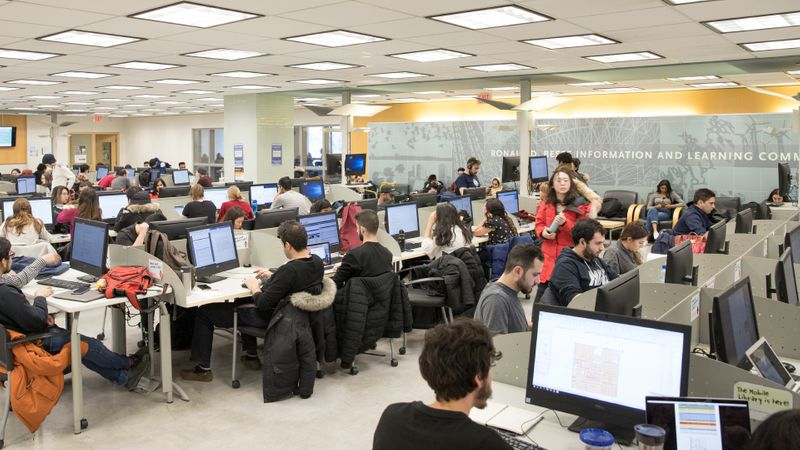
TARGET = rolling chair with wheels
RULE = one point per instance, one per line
(258, 333)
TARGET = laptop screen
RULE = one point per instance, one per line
(323, 250)
(701, 423)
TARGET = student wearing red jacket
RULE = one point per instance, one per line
(565, 201)
(235, 198)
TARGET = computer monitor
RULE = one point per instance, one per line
(716, 242)
(423, 200)
(218, 196)
(131, 172)
(462, 203)
(700, 422)
(785, 281)
(212, 249)
(110, 204)
(792, 240)
(180, 177)
(510, 169)
(368, 203)
(333, 164)
(538, 169)
(101, 173)
(355, 164)
(602, 366)
(263, 194)
(784, 179)
(244, 186)
(42, 208)
(176, 229)
(323, 250)
(322, 227)
(402, 217)
(735, 328)
(510, 200)
(272, 218)
(476, 193)
(174, 191)
(26, 185)
(680, 268)
(313, 189)
(744, 221)
(89, 248)
(620, 296)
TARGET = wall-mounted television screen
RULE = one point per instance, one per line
(8, 136)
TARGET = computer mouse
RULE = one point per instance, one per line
(790, 367)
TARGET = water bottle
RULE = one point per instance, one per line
(553, 227)
(254, 205)
(401, 240)
(662, 276)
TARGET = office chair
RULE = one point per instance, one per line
(258, 333)
(7, 361)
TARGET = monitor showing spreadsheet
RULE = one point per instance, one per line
(322, 227)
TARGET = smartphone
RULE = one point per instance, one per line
(204, 287)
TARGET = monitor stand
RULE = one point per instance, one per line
(210, 279)
(88, 279)
(623, 435)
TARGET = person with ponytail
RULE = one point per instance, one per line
(496, 223)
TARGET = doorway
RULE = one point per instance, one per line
(92, 148)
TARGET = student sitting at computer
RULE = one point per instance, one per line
(320, 206)
(370, 259)
(105, 182)
(182, 166)
(499, 307)
(565, 201)
(456, 362)
(660, 205)
(157, 186)
(88, 208)
(696, 218)
(469, 179)
(83, 173)
(17, 314)
(432, 185)
(235, 216)
(235, 198)
(199, 206)
(779, 432)
(775, 198)
(139, 208)
(22, 228)
(121, 180)
(385, 197)
(15, 172)
(302, 273)
(288, 198)
(496, 187)
(46, 183)
(445, 232)
(39, 172)
(623, 255)
(204, 179)
(497, 224)
(579, 268)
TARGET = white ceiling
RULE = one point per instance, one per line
(674, 32)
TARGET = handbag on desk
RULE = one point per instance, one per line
(698, 242)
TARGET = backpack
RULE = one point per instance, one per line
(128, 281)
(157, 244)
(348, 230)
(144, 178)
(612, 207)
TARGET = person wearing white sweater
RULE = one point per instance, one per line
(446, 232)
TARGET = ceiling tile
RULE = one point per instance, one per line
(47, 15)
(346, 14)
(274, 27)
(406, 28)
(430, 8)
(579, 8)
(639, 18)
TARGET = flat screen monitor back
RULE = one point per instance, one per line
(272, 218)
(620, 296)
(744, 221)
(680, 261)
(510, 169)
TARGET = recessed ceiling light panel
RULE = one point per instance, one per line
(619, 89)
(176, 81)
(624, 57)
(89, 38)
(500, 16)
(316, 81)
(694, 78)
(324, 65)
(79, 92)
(149, 96)
(225, 54)
(439, 54)
(428, 92)
(242, 74)
(398, 75)
(790, 19)
(25, 55)
(194, 15)
(583, 40)
(43, 97)
(336, 38)
(251, 87)
(79, 74)
(196, 92)
(507, 67)
(143, 65)
(591, 83)
(772, 45)
(715, 85)
(122, 87)
(34, 82)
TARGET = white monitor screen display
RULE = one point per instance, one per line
(7, 136)
(402, 217)
(111, 204)
(218, 196)
(510, 201)
(88, 244)
(102, 172)
(26, 185)
(264, 194)
(180, 177)
(539, 168)
(321, 228)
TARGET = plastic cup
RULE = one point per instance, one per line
(596, 439)
(650, 437)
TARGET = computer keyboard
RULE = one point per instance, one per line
(64, 284)
(413, 245)
(514, 442)
(336, 259)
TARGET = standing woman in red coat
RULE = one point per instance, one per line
(565, 201)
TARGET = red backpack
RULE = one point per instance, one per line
(348, 231)
(127, 281)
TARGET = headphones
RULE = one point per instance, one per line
(471, 162)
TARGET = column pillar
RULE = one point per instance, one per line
(346, 127)
(524, 125)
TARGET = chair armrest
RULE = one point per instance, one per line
(423, 280)
(245, 306)
(37, 336)
(676, 214)
(634, 213)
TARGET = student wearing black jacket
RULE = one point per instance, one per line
(303, 273)
(370, 259)
(580, 268)
(19, 315)
(138, 210)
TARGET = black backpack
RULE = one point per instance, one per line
(612, 207)
(144, 178)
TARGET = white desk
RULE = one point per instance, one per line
(73, 310)
(59, 238)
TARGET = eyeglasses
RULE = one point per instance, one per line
(11, 254)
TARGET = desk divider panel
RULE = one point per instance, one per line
(741, 244)
(119, 255)
(338, 192)
(512, 368)
(266, 250)
(785, 213)
(767, 227)
(167, 206)
(424, 217)
(709, 264)
(477, 211)
(243, 253)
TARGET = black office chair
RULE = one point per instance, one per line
(626, 198)
(7, 361)
(258, 333)
(728, 207)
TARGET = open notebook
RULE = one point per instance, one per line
(504, 417)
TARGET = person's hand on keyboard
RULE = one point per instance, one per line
(254, 284)
(44, 292)
(51, 259)
(263, 273)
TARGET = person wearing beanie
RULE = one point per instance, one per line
(204, 180)
(62, 176)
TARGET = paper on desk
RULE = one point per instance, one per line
(652, 256)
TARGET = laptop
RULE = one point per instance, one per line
(179, 209)
(766, 362)
(700, 422)
(323, 250)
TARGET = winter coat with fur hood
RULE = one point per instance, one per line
(133, 214)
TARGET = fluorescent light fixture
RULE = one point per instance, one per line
(168, 113)
(717, 84)
(316, 81)
(406, 100)
(140, 115)
(794, 72)
(685, 2)
(153, 110)
(49, 106)
(196, 92)
(500, 16)
(336, 38)
(465, 97)
(251, 87)
(25, 55)
(583, 40)
(210, 99)
(79, 74)
(694, 78)
(323, 65)
(89, 38)
(175, 81)
(76, 111)
(196, 111)
(117, 115)
(105, 108)
(428, 92)
(591, 83)
(6, 88)
(624, 57)
(183, 107)
(34, 82)
(150, 96)
(772, 45)
(507, 67)
(242, 74)
(109, 100)
(77, 103)
(79, 92)
(438, 54)
(311, 99)
(133, 105)
(501, 88)
(143, 65)
(194, 15)
(225, 54)
(43, 97)
(790, 19)
(619, 89)
(169, 102)
(122, 87)
(356, 110)
(21, 108)
(368, 96)
(397, 75)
